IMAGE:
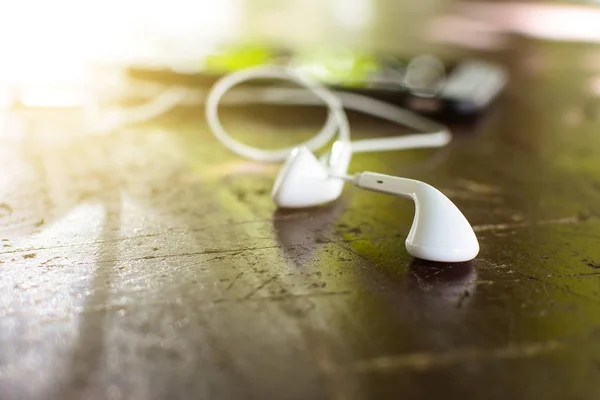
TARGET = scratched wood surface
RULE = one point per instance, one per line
(150, 263)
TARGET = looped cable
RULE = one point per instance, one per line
(337, 122)
(435, 135)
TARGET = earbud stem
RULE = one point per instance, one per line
(421, 140)
(387, 184)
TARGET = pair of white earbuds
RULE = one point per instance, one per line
(439, 232)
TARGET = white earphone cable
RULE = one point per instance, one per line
(337, 122)
(310, 93)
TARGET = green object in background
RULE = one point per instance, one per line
(239, 57)
(328, 65)
(336, 66)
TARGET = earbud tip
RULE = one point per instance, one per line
(304, 182)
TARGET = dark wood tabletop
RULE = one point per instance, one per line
(151, 262)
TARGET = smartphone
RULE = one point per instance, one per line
(423, 83)
(466, 89)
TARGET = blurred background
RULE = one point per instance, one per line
(51, 51)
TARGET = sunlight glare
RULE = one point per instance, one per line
(58, 42)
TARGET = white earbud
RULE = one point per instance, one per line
(303, 181)
(440, 232)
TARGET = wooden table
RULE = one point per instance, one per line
(151, 263)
